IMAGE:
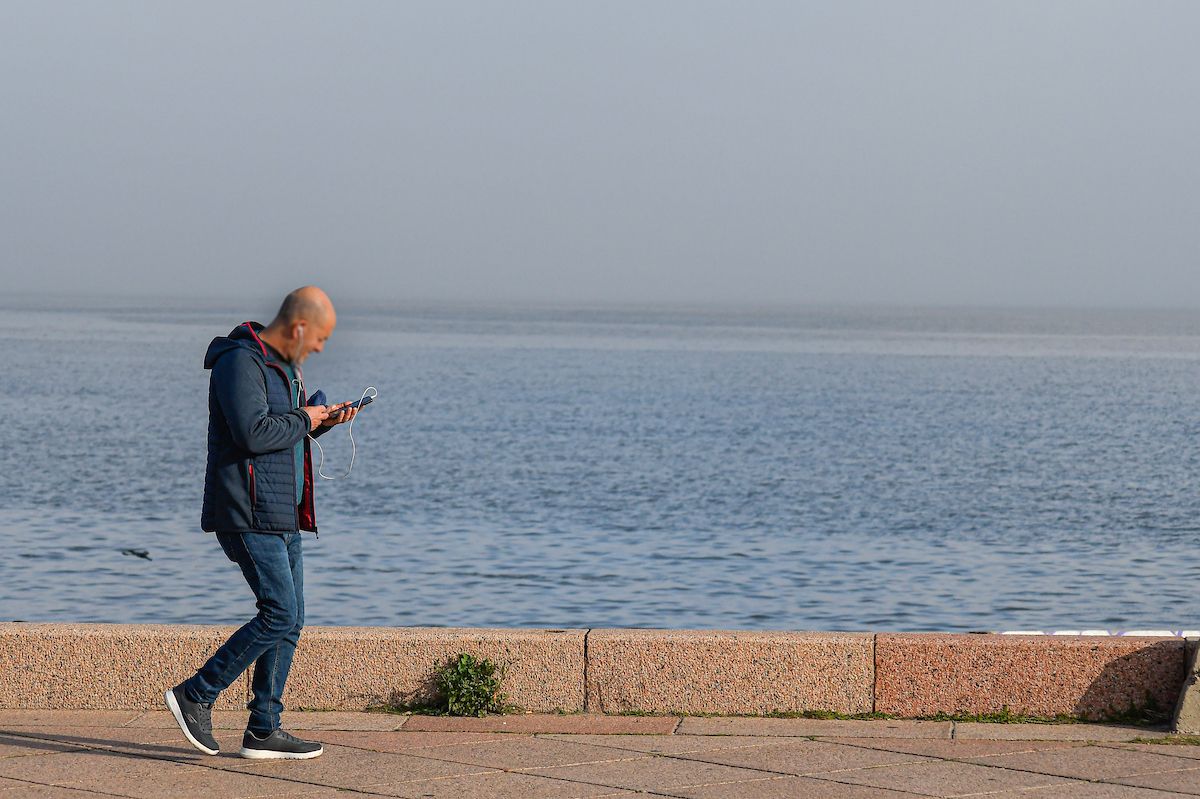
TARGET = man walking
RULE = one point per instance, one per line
(258, 496)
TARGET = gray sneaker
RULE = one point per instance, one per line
(278, 744)
(194, 718)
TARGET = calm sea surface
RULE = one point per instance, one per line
(816, 469)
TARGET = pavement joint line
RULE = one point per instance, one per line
(859, 785)
(496, 769)
(1120, 746)
(135, 718)
(234, 770)
(526, 769)
(529, 772)
(643, 751)
(412, 753)
(1081, 744)
(1118, 784)
(485, 773)
(1072, 745)
(651, 755)
(31, 754)
(1084, 780)
(412, 749)
(935, 758)
(67, 787)
(617, 788)
(957, 796)
(921, 759)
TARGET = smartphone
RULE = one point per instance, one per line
(356, 404)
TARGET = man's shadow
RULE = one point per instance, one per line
(53, 742)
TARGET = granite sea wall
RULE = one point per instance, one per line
(615, 671)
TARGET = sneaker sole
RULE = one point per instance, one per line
(267, 754)
(173, 706)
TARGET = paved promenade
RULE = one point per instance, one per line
(78, 754)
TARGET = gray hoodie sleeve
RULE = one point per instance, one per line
(242, 395)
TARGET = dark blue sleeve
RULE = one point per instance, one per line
(242, 395)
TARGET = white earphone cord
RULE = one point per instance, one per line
(371, 390)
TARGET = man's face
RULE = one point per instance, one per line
(310, 336)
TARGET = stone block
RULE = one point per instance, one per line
(351, 668)
(104, 666)
(1093, 677)
(1187, 709)
(709, 671)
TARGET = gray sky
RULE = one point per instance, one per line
(794, 152)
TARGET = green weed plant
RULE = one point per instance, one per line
(470, 686)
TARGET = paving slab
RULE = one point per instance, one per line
(72, 718)
(1187, 782)
(1052, 732)
(716, 671)
(1086, 790)
(188, 783)
(93, 764)
(947, 778)
(953, 749)
(526, 752)
(401, 741)
(550, 723)
(496, 785)
(11, 789)
(803, 757)
(651, 773)
(812, 727)
(787, 788)
(343, 767)
(796, 758)
(670, 744)
(1089, 762)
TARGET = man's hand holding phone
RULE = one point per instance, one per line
(322, 415)
(340, 413)
(317, 414)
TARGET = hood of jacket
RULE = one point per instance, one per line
(244, 335)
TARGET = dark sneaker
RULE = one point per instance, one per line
(194, 718)
(279, 744)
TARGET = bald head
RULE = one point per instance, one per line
(305, 304)
(304, 321)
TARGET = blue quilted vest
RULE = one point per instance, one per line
(250, 480)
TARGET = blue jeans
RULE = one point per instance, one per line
(273, 565)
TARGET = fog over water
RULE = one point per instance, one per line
(911, 153)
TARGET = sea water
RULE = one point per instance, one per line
(810, 468)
